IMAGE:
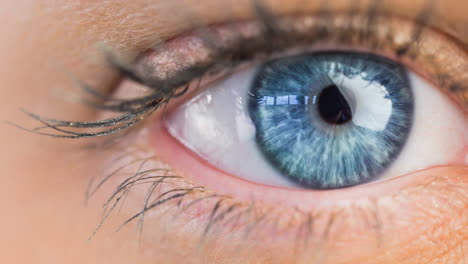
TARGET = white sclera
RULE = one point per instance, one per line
(217, 127)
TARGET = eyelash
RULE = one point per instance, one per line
(133, 111)
(162, 91)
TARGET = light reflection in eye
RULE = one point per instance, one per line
(286, 100)
(373, 110)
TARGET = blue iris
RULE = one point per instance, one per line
(311, 127)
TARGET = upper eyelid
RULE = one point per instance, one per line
(165, 88)
(152, 70)
(146, 107)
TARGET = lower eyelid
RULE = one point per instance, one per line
(399, 203)
(424, 195)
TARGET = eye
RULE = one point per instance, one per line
(302, 102)
(320, 120)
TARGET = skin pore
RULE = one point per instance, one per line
(44, 180)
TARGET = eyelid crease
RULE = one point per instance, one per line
(192, 56)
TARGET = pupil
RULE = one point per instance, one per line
(333, 107)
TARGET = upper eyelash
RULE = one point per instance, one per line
(163, 90)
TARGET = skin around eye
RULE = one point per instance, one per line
(407, 220)
(232, 212)
(217, 125)
(392, 37)
(324, 203)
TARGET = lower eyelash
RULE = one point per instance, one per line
(181, 203)
(223, 215)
